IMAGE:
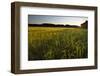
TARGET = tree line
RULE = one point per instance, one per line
(83, 25)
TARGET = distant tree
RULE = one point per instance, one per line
(84, 25)
(48, 24)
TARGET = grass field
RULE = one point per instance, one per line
(45, 43)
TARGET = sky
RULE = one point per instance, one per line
(71, 20)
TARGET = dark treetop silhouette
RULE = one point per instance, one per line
(83, 25)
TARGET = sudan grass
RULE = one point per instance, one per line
(46, 43)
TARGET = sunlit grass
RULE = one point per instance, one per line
(56, 43)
